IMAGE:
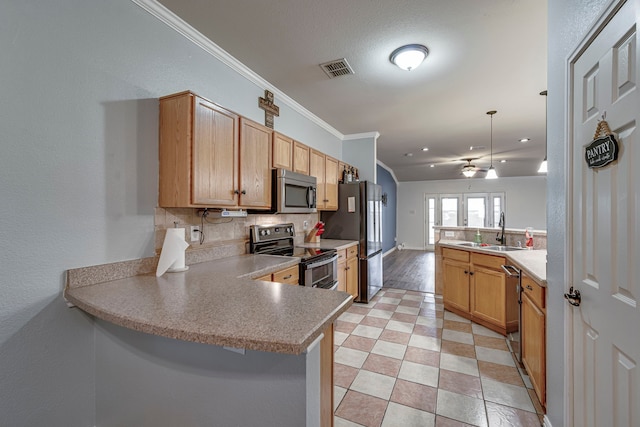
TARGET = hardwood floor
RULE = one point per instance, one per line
(410, 269)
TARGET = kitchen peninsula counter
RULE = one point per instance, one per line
(215, 302)
(532, 262)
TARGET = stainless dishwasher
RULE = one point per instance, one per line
(514, 338)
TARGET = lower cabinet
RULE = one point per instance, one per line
(289, 275)
(348, 270)
(533, 335)
(475, 287)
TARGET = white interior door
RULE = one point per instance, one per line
(604, 226)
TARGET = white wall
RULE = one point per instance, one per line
(569, 21)
(525, 203)
(78, 177)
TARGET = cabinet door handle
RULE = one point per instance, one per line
(287, 277)
(529, 287)
(471, 273)
(243, 192)
(466, 272)
(236, 192)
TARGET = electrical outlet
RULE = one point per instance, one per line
(195, 233)
(305, 225)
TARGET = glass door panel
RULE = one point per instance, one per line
(476, 211)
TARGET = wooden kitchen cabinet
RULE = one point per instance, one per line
(325, 169)
(301, 155)
(533, 335)
(494, 298)
(348, 277)
(475, 287)
(455, 274)
(290, 276)
(210, 157)
(282, 151)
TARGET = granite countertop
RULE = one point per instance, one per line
(532, 262)
(216, 302)
(330, 244)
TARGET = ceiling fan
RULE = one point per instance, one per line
(469, 170)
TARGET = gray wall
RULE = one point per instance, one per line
(389, 220)
(150, 381)
(361, 153)
(569, 21)
(78, 177)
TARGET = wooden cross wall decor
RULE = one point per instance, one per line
(270, 109)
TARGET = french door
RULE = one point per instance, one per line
(480, 210)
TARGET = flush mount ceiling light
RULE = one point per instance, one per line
(425, 149)
(491, 173)
(524, 140)
(468, 170)
(409, 57)
(543, 165)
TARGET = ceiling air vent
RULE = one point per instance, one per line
(337, 68)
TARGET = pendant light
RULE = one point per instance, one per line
(491, 173)
(543, 165)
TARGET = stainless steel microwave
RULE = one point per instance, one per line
(293, 192)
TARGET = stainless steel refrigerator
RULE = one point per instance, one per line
(359, 217)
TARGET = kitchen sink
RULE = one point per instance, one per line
(470, 244)
(504, 248)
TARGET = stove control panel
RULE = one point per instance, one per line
(261, 233)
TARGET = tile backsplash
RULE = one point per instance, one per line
(223, 237)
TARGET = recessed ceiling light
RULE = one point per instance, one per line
(425, 149)
(477, 147)
(408, 154)
(524, 140)
(503, 161)
(432, 166)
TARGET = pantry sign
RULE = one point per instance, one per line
(603, 149)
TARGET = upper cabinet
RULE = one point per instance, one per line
(282, 151)
(255, 165)
(301, 156)
(325, 169)
(210, 157)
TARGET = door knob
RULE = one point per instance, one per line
(573, 297)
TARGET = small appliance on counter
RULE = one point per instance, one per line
(359, 217)
(318, 267)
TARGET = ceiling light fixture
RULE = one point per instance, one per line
(543, 165)
(425, 149)
(491, 173)
(409, 57)
(524, 140)
(468, 170)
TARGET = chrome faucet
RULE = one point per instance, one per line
(500, 236)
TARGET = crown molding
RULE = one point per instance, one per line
(172, 20)
(374, 135)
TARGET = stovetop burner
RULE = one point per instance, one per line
(278, 240)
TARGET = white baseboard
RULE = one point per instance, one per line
(384, 254)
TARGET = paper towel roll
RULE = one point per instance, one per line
(172, 257)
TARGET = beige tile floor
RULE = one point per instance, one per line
(402, 360)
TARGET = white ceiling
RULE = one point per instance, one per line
(484, 55)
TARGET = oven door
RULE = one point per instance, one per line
(320, 273)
